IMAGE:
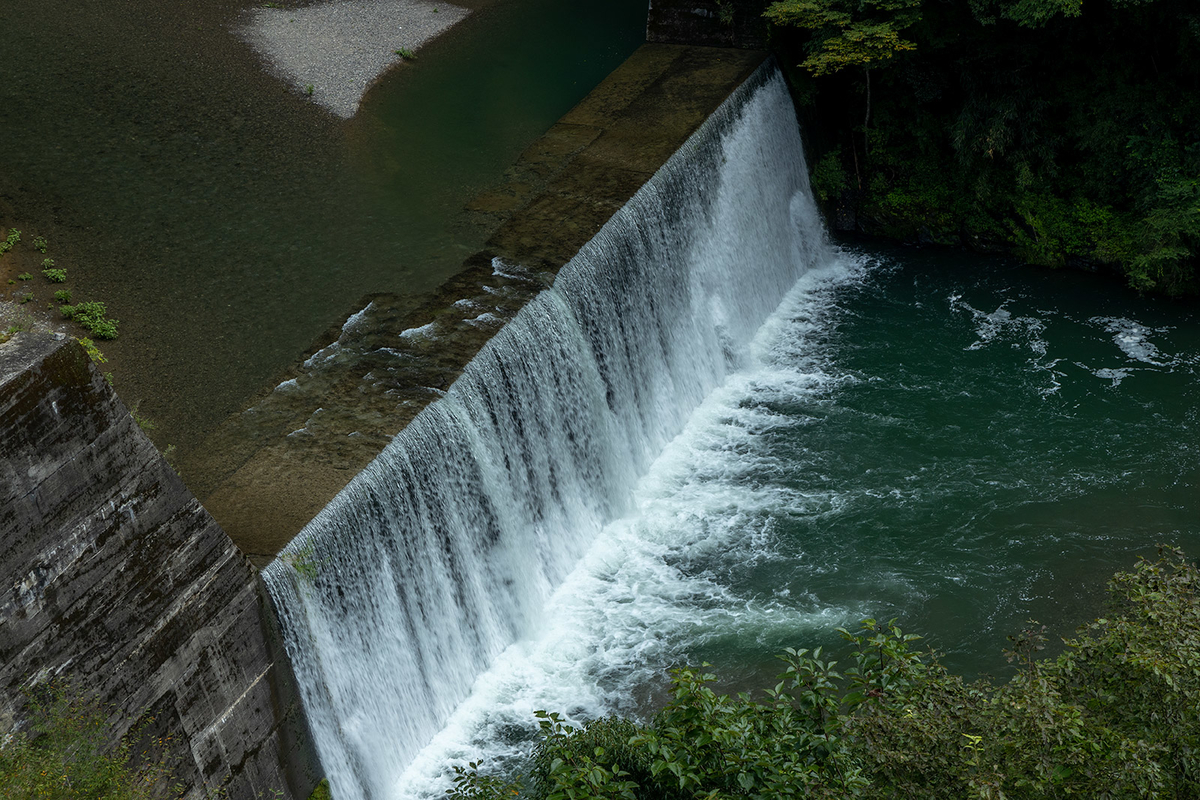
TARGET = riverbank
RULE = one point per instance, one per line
(1049, 136)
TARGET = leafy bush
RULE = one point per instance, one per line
(62, 296)
(1117, 715)
(63, 756)
(55, 275)
(13, 237)
(92, 316)
(828, 178)
(39, 244)
(93, 351)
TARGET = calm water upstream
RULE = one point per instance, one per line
(227, 221)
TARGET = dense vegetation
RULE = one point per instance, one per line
(1116, 715)
(1067, 131)
(64, 755)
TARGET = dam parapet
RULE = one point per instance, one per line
(270, 469)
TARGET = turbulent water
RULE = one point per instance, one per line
(444, 551)
(719, 436)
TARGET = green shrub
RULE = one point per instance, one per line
(405, 53)
(39, 244)
(1117, 715)
(55, 275)
(62, 755)
(92, 316)
(25, 276)
(62, 296)
(828, 177)
(13, 237)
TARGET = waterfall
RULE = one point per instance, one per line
(442, 552)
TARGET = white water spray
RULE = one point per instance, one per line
(442, 552)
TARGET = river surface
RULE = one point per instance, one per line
(226, 220)
(958, 443)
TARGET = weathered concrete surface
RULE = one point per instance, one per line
(269, 470)
(717, 23)
(114, 578)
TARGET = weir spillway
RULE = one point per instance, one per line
(443, 551)
(268, 470)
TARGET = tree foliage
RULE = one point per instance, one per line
(1116, 715)
(995, 123)
(848, 32)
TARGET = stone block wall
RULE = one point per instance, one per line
(113, 577)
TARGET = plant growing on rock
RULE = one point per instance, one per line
(92, 350)
(92, 315)
(13, 237)
(62, 754)
(143, 421)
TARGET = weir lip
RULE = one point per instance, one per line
(269, 470)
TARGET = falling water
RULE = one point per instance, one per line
(443, 552)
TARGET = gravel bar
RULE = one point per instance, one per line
(339, 48)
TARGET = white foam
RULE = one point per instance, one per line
(443, 553)
(636, 602)
(1133, 339)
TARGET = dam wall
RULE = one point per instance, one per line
(116, 583)
(270, 469)
(443, 558)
